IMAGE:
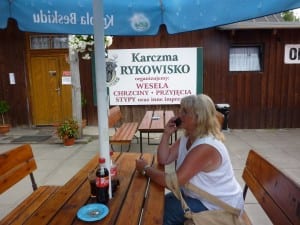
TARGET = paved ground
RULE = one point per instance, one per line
(57, 164)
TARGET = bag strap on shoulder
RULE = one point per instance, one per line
(172, 184)
(212, 199)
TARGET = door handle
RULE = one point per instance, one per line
(58, 91)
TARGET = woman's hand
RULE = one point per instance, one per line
(171, 126)
(140, 164)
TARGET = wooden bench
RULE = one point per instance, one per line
(277, 194)
(15, 165)
(124, 132)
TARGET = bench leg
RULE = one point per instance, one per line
(141, 142)
(112, 147)
(34, 185)
(128, 148)
(137, 138)
(129, 145)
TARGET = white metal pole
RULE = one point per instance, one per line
(100, 69)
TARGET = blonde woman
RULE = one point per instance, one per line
(201, 159)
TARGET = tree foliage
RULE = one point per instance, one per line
(289, 16)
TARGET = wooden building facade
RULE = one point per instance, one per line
(269, 98)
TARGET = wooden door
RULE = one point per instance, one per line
(51, 99)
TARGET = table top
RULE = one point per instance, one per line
(136, 197)
(155, 121)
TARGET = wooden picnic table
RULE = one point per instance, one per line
(154, 122)
(137, 200)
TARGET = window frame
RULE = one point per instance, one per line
(260, 48)
(48, 42)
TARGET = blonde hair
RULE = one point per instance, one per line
(203, 108)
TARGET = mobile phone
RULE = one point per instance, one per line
(177, 122)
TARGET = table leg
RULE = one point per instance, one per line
(141, 143)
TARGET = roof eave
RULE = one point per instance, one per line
(261, 25)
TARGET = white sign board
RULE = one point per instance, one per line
(66, 78)
(152, 76)
(292, 54)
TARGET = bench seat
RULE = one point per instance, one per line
(16, 164)
(277, 194)
(124, 134)
(124, 131)
(29, 205)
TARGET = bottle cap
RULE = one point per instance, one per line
(101, 160)
(111, 153)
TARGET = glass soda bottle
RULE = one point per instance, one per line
(102, 182)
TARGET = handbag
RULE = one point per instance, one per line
(227, 215)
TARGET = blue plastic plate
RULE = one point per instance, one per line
(92, 212)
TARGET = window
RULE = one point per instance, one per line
(48, 41)
(245, 58)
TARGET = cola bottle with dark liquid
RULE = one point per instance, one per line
(102, 182)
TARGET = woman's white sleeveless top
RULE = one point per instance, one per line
(220, 182)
